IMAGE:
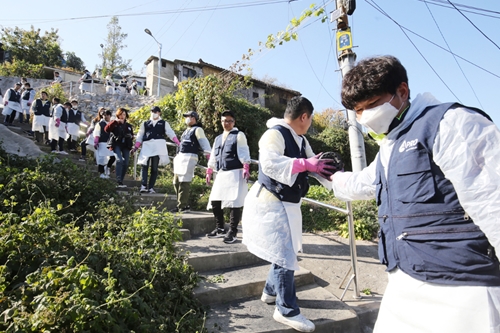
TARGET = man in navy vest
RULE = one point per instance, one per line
(435, 180)
(41, 115)
(12, 104)
(193, 141)
(230, 157)
(272, 220)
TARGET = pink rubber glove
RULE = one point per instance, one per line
(313, 164)
(136, 146)
(5, 103)
(176, 141)
(29, 104)
(96, 142)
(208, 176)
(58, 122)
(246, 171)
(208, 157)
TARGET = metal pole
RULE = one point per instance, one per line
(159, 67)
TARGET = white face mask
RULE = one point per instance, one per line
(187, 120)
(379, 118)
(155, 115)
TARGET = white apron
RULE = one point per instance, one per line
(103, 153)
(25, 106)
(13, 106)
(39, 122)
(153, 148)
(184, 165)
(73, 130)
(229, 187)
(57, 132)
(294, 215)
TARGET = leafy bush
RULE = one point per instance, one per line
(74, 257)
(22, 68)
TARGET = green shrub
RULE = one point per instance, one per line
(22, 68)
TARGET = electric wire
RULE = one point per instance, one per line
(449, 48)
(377, 7)
(488, 38)
(472, 10)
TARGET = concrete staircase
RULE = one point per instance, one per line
(233, 278)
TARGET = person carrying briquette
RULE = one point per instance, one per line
(230, 157)
(193, 140)
(57, 126)
(89, 135)
(151, 136)
(272, 220)
(41, 109)
(12, 104)
(75, 119)
(435, 181)
(27, 98)
(121, 136)
(133, 88)
(104, 157)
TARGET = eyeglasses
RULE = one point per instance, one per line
(227, 121)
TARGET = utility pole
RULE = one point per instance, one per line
(346, 59)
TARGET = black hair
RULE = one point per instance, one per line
(56, 100)
(372, 77)
(297, 106)
(228, 113)
(27, 84)
(67, 104)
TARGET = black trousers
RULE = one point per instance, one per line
(234, 216)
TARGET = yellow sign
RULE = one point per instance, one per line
(344, 39)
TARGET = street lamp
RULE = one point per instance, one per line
(102, 54)
(159, 59)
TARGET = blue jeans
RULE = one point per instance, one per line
(280, 283)
(122, 156)
(153, 161)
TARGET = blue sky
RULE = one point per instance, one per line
(309, 65)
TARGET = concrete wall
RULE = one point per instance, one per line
(166, 74)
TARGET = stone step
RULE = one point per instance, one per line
(224, 285)
(199, 223)
(253, 316)
(186, 234)
(207, 254)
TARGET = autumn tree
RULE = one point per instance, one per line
(111, 58)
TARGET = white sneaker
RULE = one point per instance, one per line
(62, 152)
(267, 298)
(107, 170)
(103, 176)
(143, 189)
(298, 322)
(152, 191)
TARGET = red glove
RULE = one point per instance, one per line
(96, 142)
(208, 176)
(58, 122)
(246, 171)
(176, 141)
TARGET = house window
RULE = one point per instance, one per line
(255, 95)
(188, 72)
(283, 100)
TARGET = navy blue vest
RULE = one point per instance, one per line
(75, 117)
(423, 228)
(40, 109)
(64, 116)
(299, 189)
(15, 96)
(26, 94)
(154, 132)
(226, 154)
(189, 142)
(103, 136)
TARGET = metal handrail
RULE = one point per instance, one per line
(350, 221)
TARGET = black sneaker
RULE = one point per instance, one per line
(175, 210)
(217, 233)
(230, 237)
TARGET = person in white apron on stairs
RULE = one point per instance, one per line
(272, 220)
(41, 115)
(12, 104)
(27, 98)
(57, 127)
(89, 135)
(154, 151)
(75, 119)
(230, 157)
(193, 140)
(110, 85)
(85, 82)
(103, 156)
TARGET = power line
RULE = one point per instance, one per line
(473, 10)
(458, 64)
(377, 7)
(488, 38)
